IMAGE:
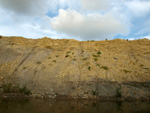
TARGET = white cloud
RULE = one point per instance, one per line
(138, 7)
(81, 19)
(25, 7)
(91, 26)
(96, 4)
(148, 37)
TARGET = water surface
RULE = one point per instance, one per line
(49, 106)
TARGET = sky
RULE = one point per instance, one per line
(76, 19)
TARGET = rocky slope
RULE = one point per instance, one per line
(77, 69)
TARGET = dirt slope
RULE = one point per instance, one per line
(74, 68)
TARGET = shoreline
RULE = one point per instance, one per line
(14, 96)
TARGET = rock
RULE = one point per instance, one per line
(100, 66)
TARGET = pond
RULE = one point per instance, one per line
(72, 106)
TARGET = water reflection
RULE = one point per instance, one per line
(49, 106)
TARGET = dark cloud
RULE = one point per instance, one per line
(26, 7)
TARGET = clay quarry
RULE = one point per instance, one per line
(77, 69)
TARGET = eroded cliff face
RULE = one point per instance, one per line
(77, 69)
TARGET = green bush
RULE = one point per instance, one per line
(38, 62)
(7, 87)
(126, 71)
(54, 60)
(104, 67)
(10, 88)
(99, 53)
(49, 57)
(98, 65)
(118, 91)
(24, 67)
(25, 90)
(68, 52)
(95, 59)
(67, 56)
(94, 93)
(89, 68)
(84, 58)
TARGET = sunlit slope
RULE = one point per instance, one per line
(70, 60)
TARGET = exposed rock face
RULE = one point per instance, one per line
(77, 69)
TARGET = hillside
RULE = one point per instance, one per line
(77, 68)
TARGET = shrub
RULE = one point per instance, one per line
(57, 55)
(10, 88)
(24, 90)
(38, 62)
(24, 67)
(94, 93)
(141, 65)
(68, 52)
(87, 63)
(104, 67)
(118, 91)
(98, 65)
(96, 55)
(67, 56)
(54, 60)
(7, 87)
(89, 68)
(99, 53)
(84, 58)
(95, 59)
(49, 57)
(145, 68)
(126, 71)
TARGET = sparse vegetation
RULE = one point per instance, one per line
(104, 67)
(84, 58)
(24, 67)
(145, 68)
(57, 55)
(67, 56)
(98, 65)
(89, 68)
(118, 91)
(10, 88)
(126, 71)
(38, 62)
(141, 65)
(99, 53)
(87, 63)
(49, 57)
(95, 59)
(96, 55)
(24, 90)
(54, 61)
(68, 52)
(74, 59)
(94, 93)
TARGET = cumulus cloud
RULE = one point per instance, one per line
(101, 19)
(92, 26)
(138, 7)
(148, 37)
(96, 4)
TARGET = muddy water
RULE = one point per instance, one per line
(49, 106)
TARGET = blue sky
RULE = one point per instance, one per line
(76, 19)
